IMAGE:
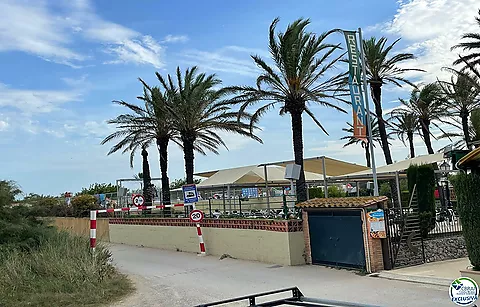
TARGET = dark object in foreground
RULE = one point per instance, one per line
(297, 299)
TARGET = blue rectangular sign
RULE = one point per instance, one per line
(190, 194)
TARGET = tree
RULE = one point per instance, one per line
(473, 45)
(405, 125)
(99, 188)
(463, 96)
(300, 76)
(199, 111)
(382, 68)
(428, 105)
(8, 191)
(146, 125)
(365, 145)
(178, 183)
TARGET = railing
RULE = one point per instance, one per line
(297, 299)
(277, 207)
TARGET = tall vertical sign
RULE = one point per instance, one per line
(354, 82)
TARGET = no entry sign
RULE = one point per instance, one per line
(196, 216)
(138, 200)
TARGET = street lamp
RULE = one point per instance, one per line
(445, 168)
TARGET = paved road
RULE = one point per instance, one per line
(172, 279)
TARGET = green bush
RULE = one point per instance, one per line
(20, 232)
(82, 204)
(61, 272)
(424, 177)
(385, 190)
(468, 206)
(315, 193)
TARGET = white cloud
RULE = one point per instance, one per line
(34, 27)
(431, 28)
(30, 27)
(224, 60)
(175, 39)
(35, 101)
(4, 125)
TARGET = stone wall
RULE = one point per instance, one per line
(439, 249)
(81, 227)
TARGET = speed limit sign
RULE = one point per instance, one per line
(196, 216)
(138, 200)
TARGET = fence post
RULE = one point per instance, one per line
(210, 206)
(93, 230)
(240, 204)
(285, 208)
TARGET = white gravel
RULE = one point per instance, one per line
(165, 278)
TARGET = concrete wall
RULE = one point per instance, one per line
(284, 248)
(81, 226)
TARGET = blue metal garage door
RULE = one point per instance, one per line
(336, 238)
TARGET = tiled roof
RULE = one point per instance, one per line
(343, 202)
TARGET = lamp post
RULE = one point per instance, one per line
(445, 168)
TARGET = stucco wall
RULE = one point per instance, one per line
(81, 226)
(284, 248)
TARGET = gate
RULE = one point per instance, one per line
(404, 235)
(336, 238)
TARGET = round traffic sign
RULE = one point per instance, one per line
(196, 216)
(138, 200)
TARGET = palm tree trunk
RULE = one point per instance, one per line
(147, 179)
(189, 157)
(377, 96)
(464, 115)
(162, 145)
(376, 89)
(367, 154)
(425, 124)
(297, 131)
(410, 143)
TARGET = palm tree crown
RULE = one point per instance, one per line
(351, 139)
(472, 45)
(428, 105)
(199, 112)
(405, 125)
(462, 96)
(296, 81)
(382, 68)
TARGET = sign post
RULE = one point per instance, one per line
(196, 216)
(361, 115)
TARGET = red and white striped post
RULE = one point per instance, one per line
(200, 239)
(93, 230)
(93, 218)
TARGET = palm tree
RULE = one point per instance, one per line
(296, 80)
(146, 126)
(428, 105)
(365, 145)
(199, 111)
(163, 130)
(474, 44)
(463, 96)
(382, 68)
(405, 125)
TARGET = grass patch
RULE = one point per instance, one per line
(59, 272)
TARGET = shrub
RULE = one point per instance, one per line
(315, 193)
(333, 191)
(424, 177)
(468, 206)
(82, 204)
(61, 272)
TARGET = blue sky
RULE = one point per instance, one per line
(63, 62)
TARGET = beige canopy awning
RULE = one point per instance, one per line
(252, 175)
(389, 170)
(333, 167)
